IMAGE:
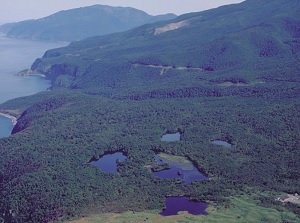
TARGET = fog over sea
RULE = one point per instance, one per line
(17, 55)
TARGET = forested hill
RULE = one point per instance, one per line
(79, 23)
(255, 35)
(229, 74)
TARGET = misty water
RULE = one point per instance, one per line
(17, 55)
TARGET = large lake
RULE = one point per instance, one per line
(17, 55)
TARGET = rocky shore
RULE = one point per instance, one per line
(29, 72)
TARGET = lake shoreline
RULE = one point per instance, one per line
(13, 118)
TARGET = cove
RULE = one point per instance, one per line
(222, 143)
(177, 204)
(179, 168)
(108, 162)
(6, 126)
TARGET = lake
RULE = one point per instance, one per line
(173, 137)
(183, 169)
(17, 55)
(109, 162)
(177, 204)
(221, 143)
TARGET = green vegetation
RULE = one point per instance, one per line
(178, 159)
(61, 133)
(243, 210)
(110, 95)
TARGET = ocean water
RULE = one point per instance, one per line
(17, 55)
(5, 126)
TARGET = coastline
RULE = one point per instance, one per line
(13, 118)
(29, 72)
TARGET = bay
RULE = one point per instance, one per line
(6, 126)
(222, 143)
(17, 55)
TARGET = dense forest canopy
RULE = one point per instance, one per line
(230, 73)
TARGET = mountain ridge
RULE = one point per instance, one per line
(229, 74)
(79, 23)
(214, 45)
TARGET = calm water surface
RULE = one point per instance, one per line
(17, 55)
(108, 163)
(171, 137)
(222, 143)
(5, 126)
(188, 172)
(176, 204)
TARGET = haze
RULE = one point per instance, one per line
(18, 10)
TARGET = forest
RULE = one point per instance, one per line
(122, 92)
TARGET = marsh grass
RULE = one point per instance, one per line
(243, 209)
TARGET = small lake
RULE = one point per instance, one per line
(222, 143)
(171, 137)
(109, 162)
(178, 170)
(177, 204)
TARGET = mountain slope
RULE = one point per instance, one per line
(227, 39)
(76, 24)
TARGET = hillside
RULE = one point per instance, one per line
(230, 74)
(75, 24)
(252, 45)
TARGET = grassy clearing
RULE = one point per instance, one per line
(242, 210)
(130, 217)
(176, 159)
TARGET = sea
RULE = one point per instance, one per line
(17, 55)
